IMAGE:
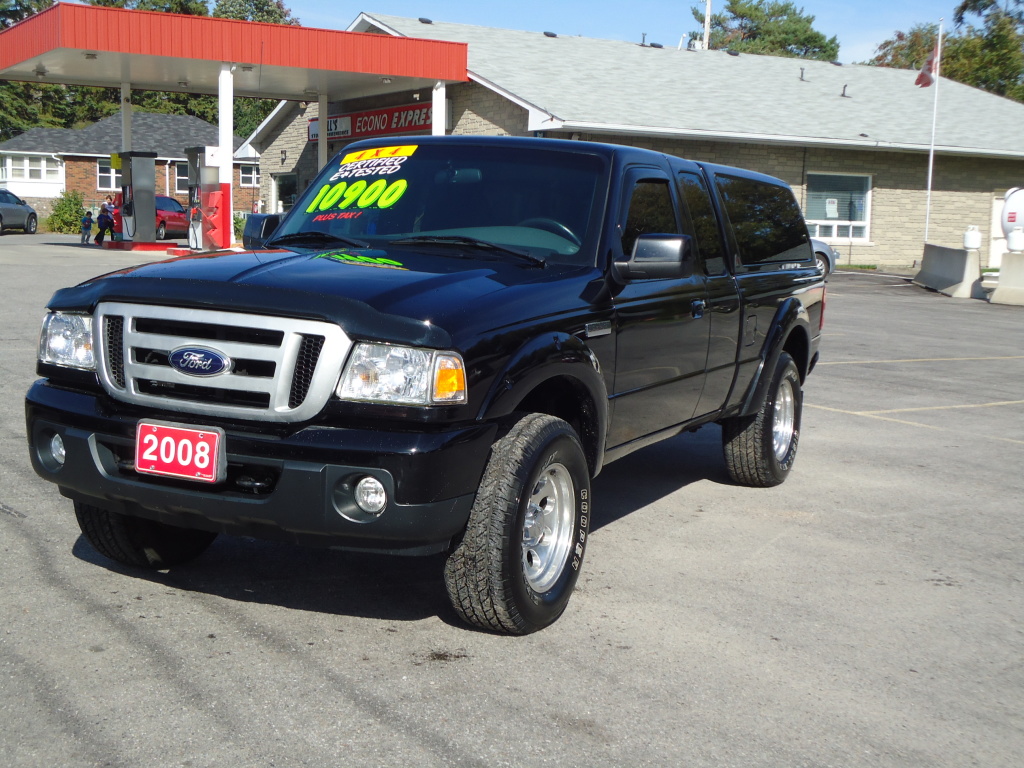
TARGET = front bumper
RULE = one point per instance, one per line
(296, 487)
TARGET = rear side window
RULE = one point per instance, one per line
(705, 224)
(766, 221)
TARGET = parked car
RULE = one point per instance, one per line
(15, 213)
(171, 217)
(825, 255)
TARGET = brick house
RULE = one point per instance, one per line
(852, 140)
(41, 163)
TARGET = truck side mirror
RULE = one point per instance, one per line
(657, 257)
(258, 229)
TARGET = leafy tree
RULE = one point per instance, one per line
(990, 57)
(767, 27)
(266, 11)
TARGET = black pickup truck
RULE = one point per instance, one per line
(435, 351)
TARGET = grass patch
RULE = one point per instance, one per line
(857, 266)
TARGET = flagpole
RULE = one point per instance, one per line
(935, 118)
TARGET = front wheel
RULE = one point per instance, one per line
(161, 231)
(31, 224)
(517, 564)
(139, 542)
(760, 449)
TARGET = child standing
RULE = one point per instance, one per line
(87, 228)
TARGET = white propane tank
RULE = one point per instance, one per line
(972, 239)
(1015, 239)
(1013, 210)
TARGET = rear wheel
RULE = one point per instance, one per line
(139, 542)
(517, 565)
(760, 449)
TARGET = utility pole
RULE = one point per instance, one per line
(707, 23)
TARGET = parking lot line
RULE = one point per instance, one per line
(875, 415)
(920, 360)
(941, 407)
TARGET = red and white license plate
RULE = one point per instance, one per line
(170, 450)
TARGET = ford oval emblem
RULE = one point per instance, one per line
(199, 361)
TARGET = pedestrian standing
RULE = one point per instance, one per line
(87, 228)
(105, 222)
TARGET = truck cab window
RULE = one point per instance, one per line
(697, 201)
(650, 212)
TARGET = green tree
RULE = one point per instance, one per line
(266, 11)
(989, 56)
(767, 27)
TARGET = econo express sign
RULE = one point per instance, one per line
(375, 122)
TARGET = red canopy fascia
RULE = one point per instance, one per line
(93, 45)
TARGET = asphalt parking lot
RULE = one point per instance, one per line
(868, 612)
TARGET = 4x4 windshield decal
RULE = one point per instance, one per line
(362, 261)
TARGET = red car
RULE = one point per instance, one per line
(171, 217)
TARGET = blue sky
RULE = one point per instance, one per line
(860, 25)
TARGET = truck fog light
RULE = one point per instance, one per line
(57, 449)
(371, 496)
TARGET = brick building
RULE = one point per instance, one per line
(852, 140)
(41, 163)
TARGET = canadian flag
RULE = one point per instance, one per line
(927, 74)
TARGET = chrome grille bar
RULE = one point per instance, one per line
(291, 395)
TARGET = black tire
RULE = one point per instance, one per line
(161, 231)
(822, 261)
(31, 224)
(1, 225)
(497, 578)
(760, 449)
(139, 542)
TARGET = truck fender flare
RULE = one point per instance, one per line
(545, 357)
(790, 315)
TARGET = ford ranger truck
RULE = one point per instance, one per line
(435, 351)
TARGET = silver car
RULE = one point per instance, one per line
(15, 213)
(824, 255)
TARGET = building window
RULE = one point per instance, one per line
(34, 168)
(107, 177)
(838, 207)
(181, 178)
(250, 175)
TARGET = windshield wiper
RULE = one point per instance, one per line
(471, 242)
(317, 237)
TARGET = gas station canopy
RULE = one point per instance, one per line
(144, 50)
(97, 46)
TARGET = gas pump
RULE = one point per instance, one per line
(135, 217)
(207, 230)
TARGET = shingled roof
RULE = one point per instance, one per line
(610, 86)
(167, 135)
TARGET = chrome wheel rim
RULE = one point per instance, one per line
(547, 527)
(783, 419)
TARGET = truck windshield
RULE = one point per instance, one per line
(535, 201)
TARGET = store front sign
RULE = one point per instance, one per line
(375, 122)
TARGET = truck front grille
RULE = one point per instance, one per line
(279, 369)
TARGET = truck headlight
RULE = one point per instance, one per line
(384, 373)
(66, 339)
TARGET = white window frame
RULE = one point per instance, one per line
(255, 175)
(112, 177)
(181, 181)
(830, 225)
(48, 168)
